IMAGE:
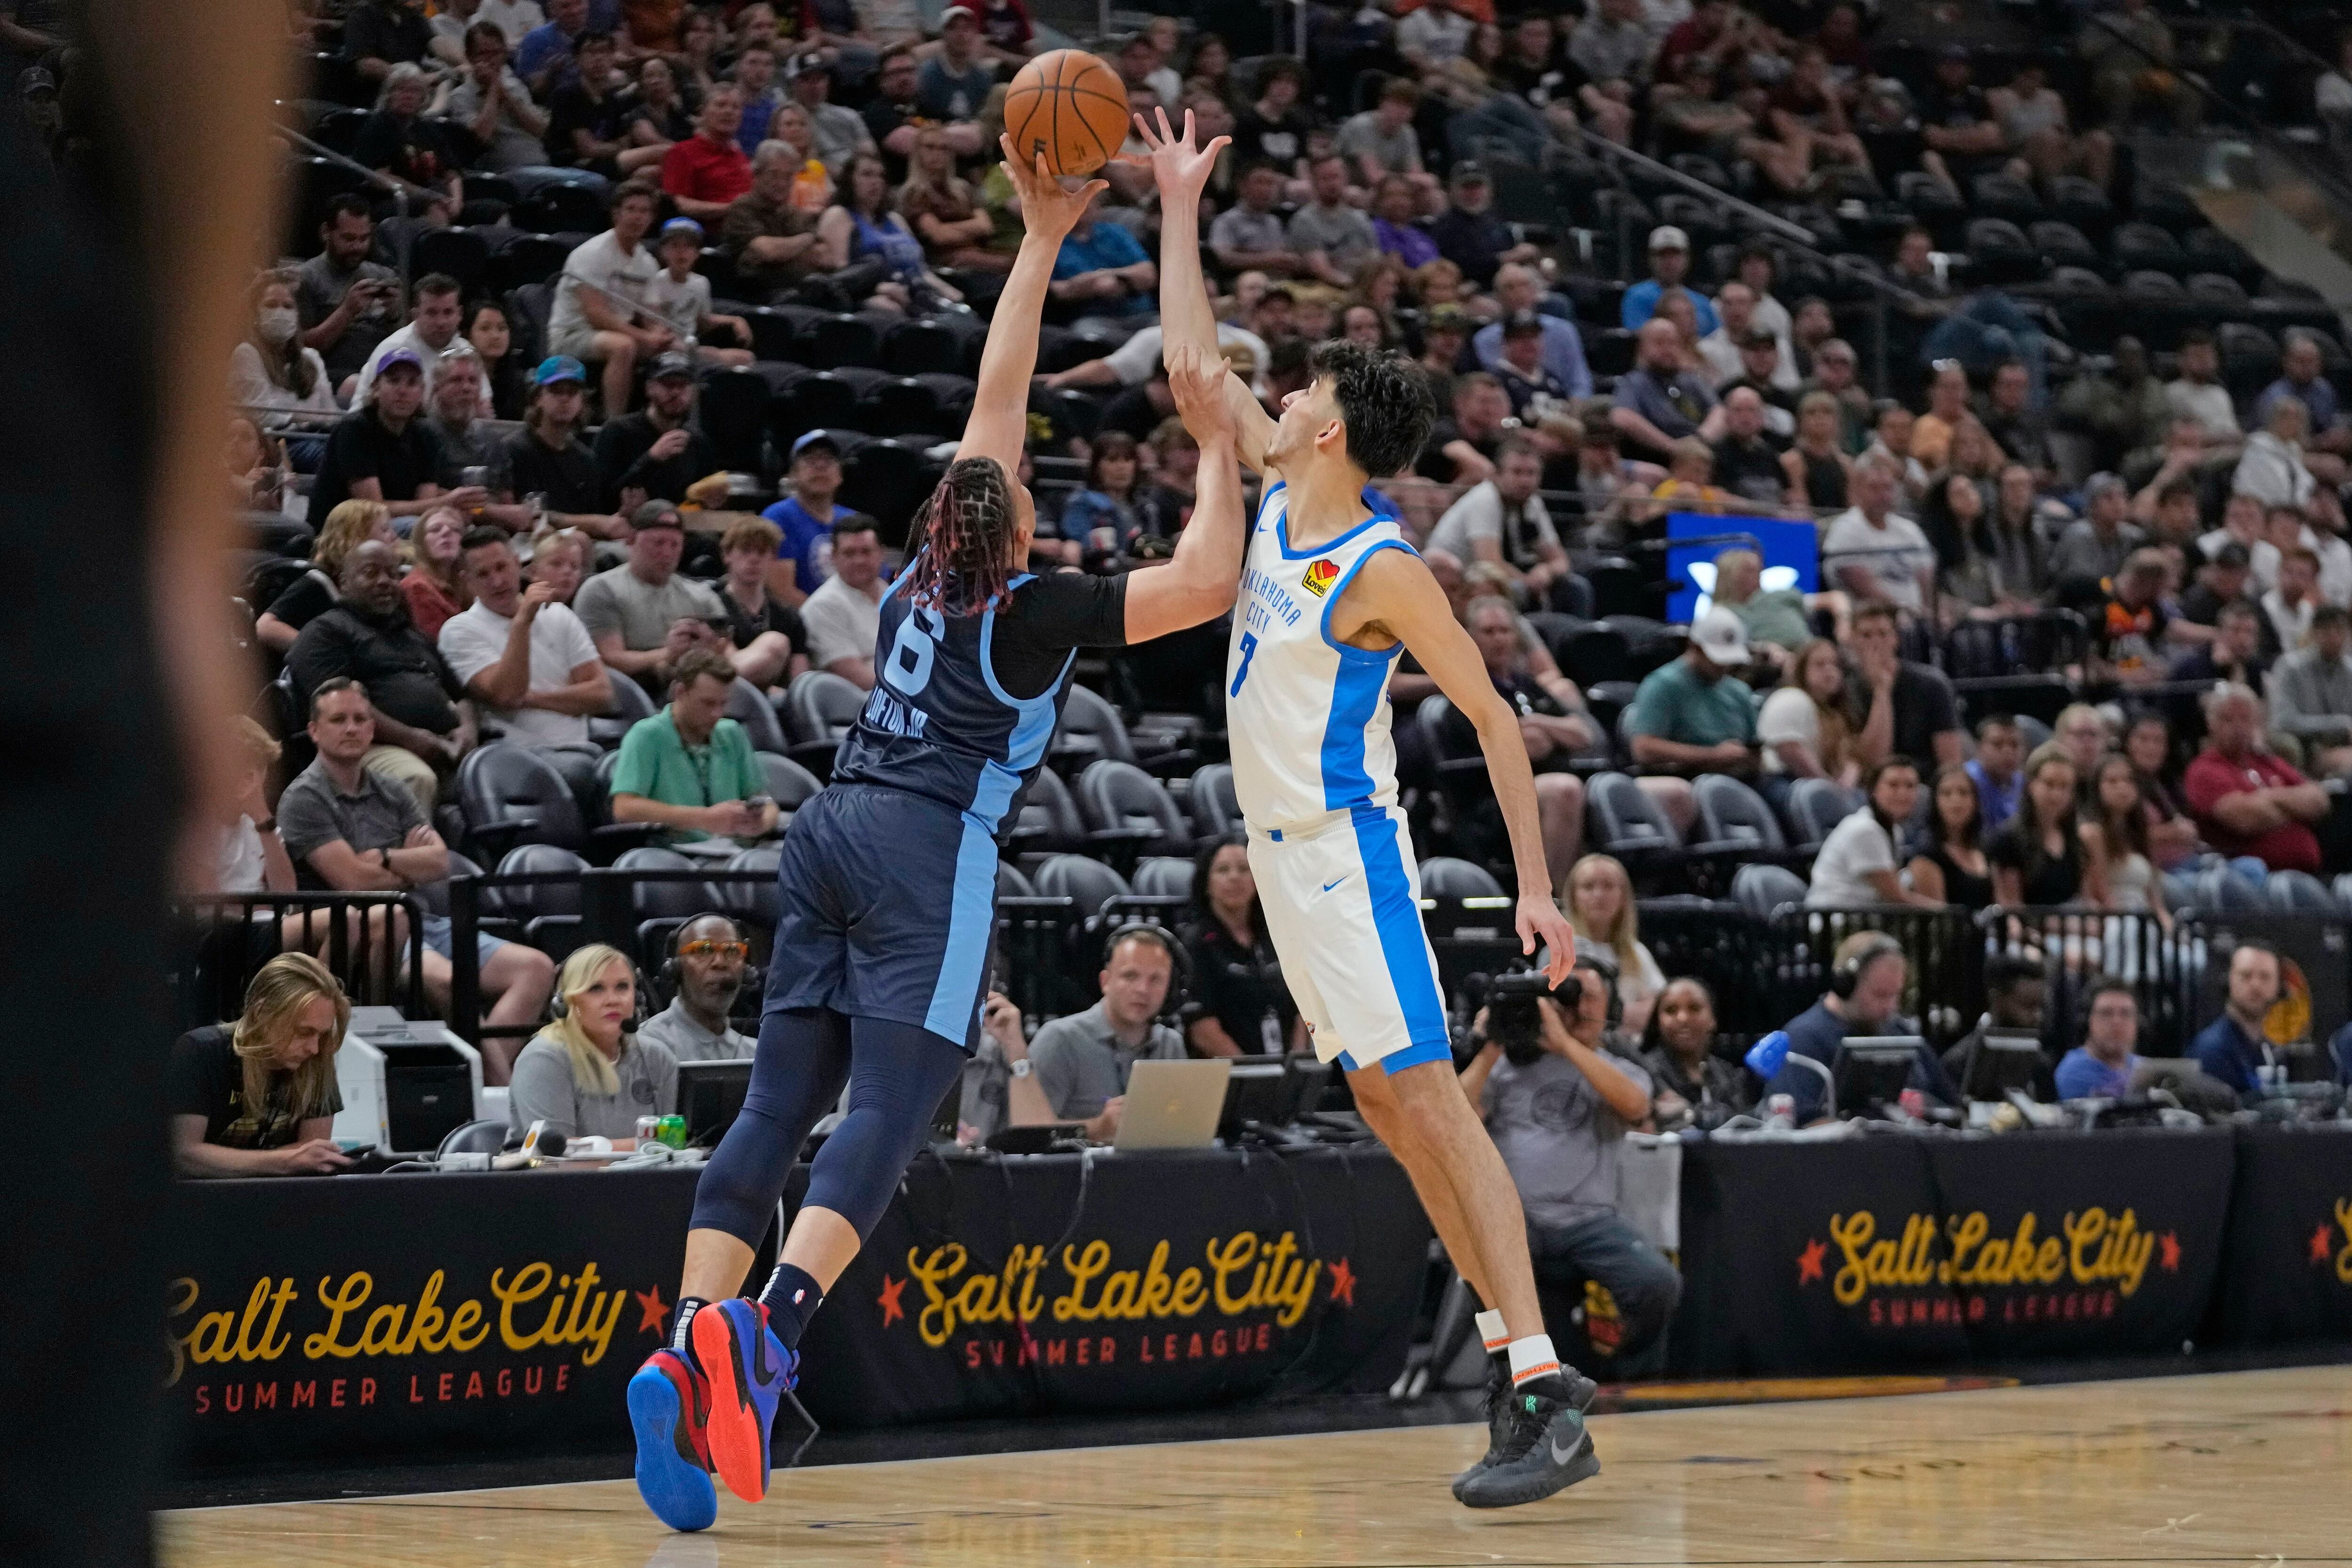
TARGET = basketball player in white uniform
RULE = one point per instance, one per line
(1331, 594)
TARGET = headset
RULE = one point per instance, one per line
(1180, 979)
(557, 1007)
(1846, 974)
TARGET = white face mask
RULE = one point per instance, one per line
(276, 325)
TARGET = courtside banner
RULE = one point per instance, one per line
(2288, 1276)
(314, 1319)
(1122, 1282)
(1895, 1251)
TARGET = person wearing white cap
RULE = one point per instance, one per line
(1669, 265)
(1693, 716)
(953, 83)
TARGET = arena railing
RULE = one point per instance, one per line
(371, 942)
(1883, 291)
(1765, 971)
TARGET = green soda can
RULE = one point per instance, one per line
(673, 1132)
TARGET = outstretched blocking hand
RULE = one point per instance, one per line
(1541, 925)
(1197, 382)
(1048, 208)
(1181, 168)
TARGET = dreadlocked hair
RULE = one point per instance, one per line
(965, 527)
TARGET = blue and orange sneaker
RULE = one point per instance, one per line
(670, 1405)
(748, 1371)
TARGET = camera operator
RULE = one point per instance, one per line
(1692, 1087)
(1866, 978)
(1558, 1098)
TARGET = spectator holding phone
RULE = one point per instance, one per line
(256, 1098)
(689, 767)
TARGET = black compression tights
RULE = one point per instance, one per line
(897, 1073)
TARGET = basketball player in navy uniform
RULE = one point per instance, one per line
(888, 883)
(1332, 592)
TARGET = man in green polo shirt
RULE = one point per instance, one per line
(689, 767)
(1693, 716)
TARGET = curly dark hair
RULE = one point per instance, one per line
(1384, 400)
(963, 530)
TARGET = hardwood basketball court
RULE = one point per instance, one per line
(2250, 1468)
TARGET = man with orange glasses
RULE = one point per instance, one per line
(706, 971)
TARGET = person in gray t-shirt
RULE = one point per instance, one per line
(586, 1073)
(630, 611)
(1081, 1062)
(1329, 236)
(1558, 1121)
(345, 326)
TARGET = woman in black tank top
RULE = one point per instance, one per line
(1816, 468)
(1953, 866)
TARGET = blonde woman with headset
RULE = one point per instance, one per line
(588, 1072)
(256, 1098)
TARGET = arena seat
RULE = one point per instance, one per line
(461, 253)
(789, 785)
(1759, 889)
(1087, 883)
(734, 412)
(1216, 811)
(1625, 821)
(841, 338)
(1815, 806)
(630, 704)
(749, 706)
(1121, 803)
(2080, 202)
(1449, 877)
(917, 345)
(510, 795)
(2221, 891)
(1163, 877)
(756, 902)
(2004, 196)
(2061, 243)
(2144, 247)
(2300, 893)
(1730, 814)
(820, 708)
(547, 913)
(525, 258)
(1090, 729)
(1048, 821)
(901, 405)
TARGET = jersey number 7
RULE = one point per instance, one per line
(1249, 649)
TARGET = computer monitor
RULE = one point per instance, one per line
(709, 1094)
(1872, 1070)
(1259, 1089)
(2003, 1060)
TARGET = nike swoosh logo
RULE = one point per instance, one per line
(1560, 1456)
(763, 1373)
(1329, 885)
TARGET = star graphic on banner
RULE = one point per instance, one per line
(1343, 1282)
(654, 1311)
(1808, 1262)
(2169, 1248)
(2320, 1238)
(888, 1300)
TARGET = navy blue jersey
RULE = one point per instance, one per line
(964, 706)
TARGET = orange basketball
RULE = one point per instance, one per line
(1069, 106)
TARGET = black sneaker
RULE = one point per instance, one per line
(1499, 1406)
(1545, 1448)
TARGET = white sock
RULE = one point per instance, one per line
(1491, 1331)
(1532, 1357)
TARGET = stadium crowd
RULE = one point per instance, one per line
(579, 428)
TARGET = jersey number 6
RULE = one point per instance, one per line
(908, 668)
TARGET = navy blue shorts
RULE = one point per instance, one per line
(887, 908)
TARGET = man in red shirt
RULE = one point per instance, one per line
(707, 170)
(2246, 801)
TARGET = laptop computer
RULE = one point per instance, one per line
(1172, 1105)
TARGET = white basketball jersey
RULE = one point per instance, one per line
(1308, 715)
